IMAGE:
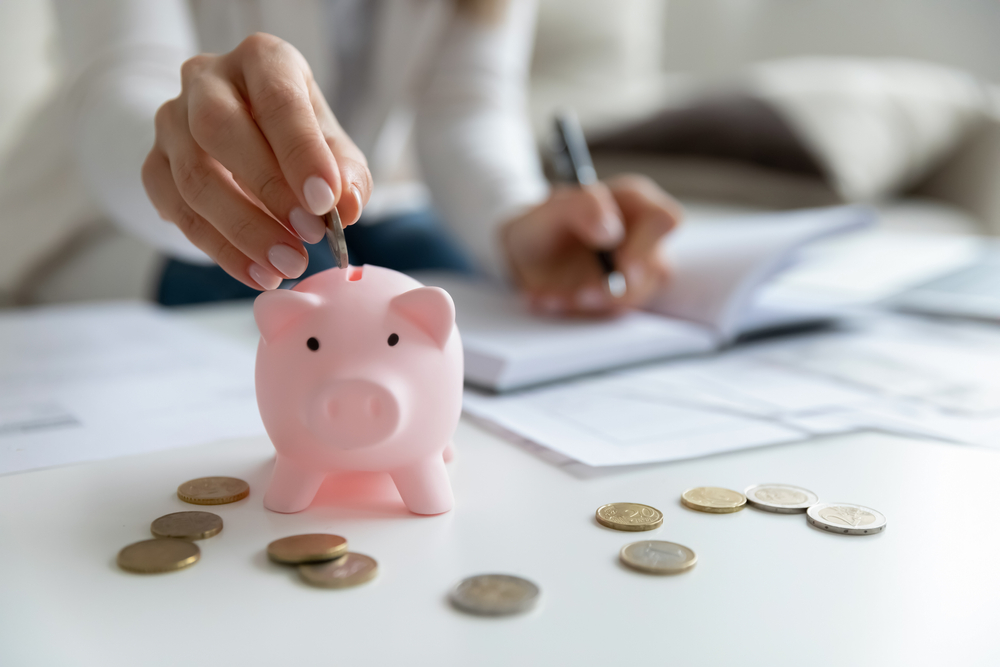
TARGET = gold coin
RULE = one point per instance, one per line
(350, 570)
(312, 548)
(187, 525)
(713, 499)
(161, 555)
(629, 516)
(213, 490)
(657, 557)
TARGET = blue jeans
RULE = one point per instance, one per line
(407, 242)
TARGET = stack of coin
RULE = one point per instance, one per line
(174, 548)
(323, 560)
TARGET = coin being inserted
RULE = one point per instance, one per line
(187, 525)
(213, 490)
(494, 595)
(781, 498)
(629, 516)
(158, 555)
(846, 519)
(349, 570)
(713, 499)
(310, 548)
(658, 557)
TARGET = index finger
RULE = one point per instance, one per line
(276, 82)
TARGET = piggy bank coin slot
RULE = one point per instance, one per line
(393, 339)
(312, 344)
(354, 272)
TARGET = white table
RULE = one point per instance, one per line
(767, 589)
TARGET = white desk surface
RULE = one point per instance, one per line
(767, 589)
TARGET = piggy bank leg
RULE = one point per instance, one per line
(424, 486)
(293, 487)
(449, 453)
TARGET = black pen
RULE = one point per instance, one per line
(573, 165)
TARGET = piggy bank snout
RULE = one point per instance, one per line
(354, 413)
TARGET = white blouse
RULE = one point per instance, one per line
(455, 87)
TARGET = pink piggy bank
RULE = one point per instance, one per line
(359, 369)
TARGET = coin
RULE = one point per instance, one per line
(213, 490)
(494, 595)
(187, 525)
(311, 548)
(781, 498)
(162, 555)
(350, 570)
(658, 557)
(846, 518)
(335, 237)
(629, 516)
(713, 499)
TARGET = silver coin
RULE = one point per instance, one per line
(494, 595)
(846, 519)
(781, 498)
(335, 237)
(658, 557)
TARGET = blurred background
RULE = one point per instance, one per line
(732, 105)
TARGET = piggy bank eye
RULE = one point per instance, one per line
(312, 344)
(393, 339)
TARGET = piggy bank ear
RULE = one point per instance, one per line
(280, 308)
(430, 309)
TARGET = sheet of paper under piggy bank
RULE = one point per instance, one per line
(359, 369)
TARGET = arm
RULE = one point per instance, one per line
(481, 163)
(123, 60)
(472, 132)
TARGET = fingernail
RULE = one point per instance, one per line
(612, 229)
(591, 298)
(263, 277)
(318, 195)
(287, 260)
(357, 198)
(310, 227)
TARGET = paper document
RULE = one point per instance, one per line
(81, 383)
(895, 374)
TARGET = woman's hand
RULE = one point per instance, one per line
(249, 156)
(552, 248)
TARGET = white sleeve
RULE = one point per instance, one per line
(472, 132)
(123, 60)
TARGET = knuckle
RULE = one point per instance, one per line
(275, 98)
(229, 258)
(259, 44)
(271, 188)
(192, 67)
(297, 149)
(163, 120)
(192, 176)
(208, 118)
(242, 232)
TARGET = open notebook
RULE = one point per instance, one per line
(714, 296)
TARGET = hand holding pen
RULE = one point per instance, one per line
(592, 247)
